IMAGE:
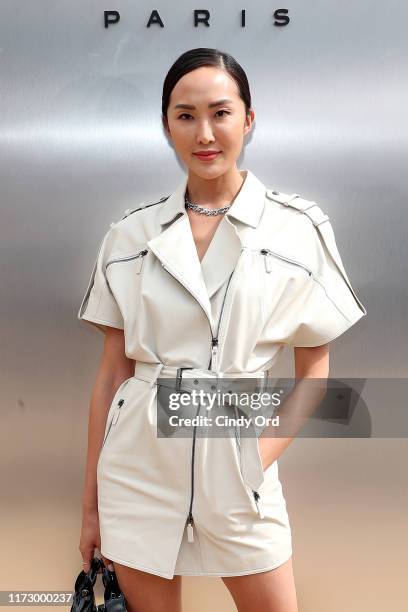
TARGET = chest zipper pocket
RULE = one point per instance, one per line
(114, 420)
(268, 264)
(139, 256)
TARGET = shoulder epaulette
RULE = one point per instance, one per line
(325, 230)
(308, 207)
(130, 211)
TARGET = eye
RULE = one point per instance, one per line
(220, 111)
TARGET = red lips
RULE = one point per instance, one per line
(207, 155)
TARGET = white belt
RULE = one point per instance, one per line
(184, 377)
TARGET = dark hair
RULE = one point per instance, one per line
(203, 56)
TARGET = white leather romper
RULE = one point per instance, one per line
(271, 277)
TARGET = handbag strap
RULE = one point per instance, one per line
(84, 599)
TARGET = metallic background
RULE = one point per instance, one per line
(81, 140)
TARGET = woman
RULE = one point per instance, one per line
(216, 278)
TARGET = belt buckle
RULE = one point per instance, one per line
(179, 376)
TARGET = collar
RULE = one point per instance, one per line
(247, 206)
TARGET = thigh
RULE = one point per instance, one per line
(271, 591)
(146, 592)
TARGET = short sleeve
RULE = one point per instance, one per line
(326, 305)
(99, 307)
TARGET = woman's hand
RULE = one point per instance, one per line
(91, 539)
(310, 362)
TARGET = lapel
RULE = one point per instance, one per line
(176, 249)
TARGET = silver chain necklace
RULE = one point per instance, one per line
(205, 211)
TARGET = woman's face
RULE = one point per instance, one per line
(200, 128)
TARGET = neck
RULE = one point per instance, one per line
(216, 192)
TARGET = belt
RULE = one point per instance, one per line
(186, 379)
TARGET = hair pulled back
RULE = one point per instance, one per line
(204, 56)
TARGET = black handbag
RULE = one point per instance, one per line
(84, 597)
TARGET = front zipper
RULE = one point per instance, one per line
(141, 254)
(268, 252)
(114, 420)
(214, 340)
(213, 365)
(190, 518)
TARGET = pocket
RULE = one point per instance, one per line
(270, 256)
(114, 411)
(251, 468)
(127, 274)
(113, 421)
(136, 258)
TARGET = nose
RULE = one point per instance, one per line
(204, 133)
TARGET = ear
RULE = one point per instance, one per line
(249, 119)
(166, 125)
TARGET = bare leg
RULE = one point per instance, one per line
(146, 592)
(271, 591)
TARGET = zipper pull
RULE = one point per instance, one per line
(268, 267)
(214, 355)
(257, 498)
(141, 257)
(190, 530)
(117, 411)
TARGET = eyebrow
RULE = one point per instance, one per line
(211, 105)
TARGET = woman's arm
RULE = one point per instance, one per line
(310, 362)
(114, 368)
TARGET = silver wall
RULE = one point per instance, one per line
(81, 140)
